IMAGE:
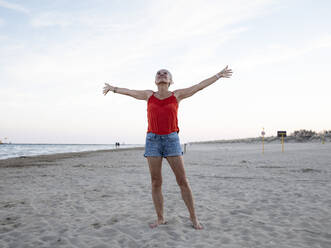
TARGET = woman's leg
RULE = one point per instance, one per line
(177, 165)
(155, 168)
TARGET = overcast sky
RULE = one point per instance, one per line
(55, 57)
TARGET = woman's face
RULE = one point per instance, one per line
(163, 76)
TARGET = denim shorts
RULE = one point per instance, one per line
(162, 145)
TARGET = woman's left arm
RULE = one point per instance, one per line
(190, 91)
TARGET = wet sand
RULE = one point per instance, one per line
(103, 199)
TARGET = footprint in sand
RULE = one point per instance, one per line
(8, 224)
(97, 225)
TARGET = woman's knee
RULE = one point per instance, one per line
(156, 182)
(182, 182)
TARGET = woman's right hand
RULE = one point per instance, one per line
(107, 88)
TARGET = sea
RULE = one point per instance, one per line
(25, 150)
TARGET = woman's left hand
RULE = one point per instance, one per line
(225, 73)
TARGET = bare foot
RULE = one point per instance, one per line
(157, 223)
(196, 224)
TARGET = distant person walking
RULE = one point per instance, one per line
(162, 135)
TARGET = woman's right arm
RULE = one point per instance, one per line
(138, 94)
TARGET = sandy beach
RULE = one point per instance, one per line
(103, 199)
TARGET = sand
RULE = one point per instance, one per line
(103, 199)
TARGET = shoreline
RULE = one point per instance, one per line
(49, 158)
(52, 157)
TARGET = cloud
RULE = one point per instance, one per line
(195, 17)
(198, 17)
(277, 53)
(13, 6)
(83, 20)
(49, 19)
(2, 23)
(154, 30)
(323, 41)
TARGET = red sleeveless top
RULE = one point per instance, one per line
(162, 115)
